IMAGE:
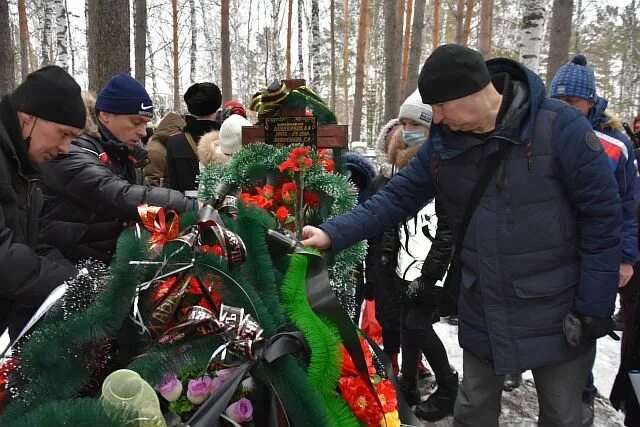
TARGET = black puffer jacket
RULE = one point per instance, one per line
(182, 162)
(29, 271)
(92, 193)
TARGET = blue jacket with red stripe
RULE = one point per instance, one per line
(624, 165)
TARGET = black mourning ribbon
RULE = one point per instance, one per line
(281, 344)
(324, 302)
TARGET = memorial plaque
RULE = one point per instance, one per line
(281, 131)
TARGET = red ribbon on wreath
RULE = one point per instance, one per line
(155, 220)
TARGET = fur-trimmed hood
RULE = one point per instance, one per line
(382, 144)
(209, 149)
(392, 153)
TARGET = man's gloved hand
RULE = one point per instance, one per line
(581, 327)
(595, 327)
(419, 289)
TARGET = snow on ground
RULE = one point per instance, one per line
(520, 407)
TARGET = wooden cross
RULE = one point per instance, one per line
(329, 136)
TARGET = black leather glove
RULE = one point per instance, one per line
(595, 327)
(581, 327)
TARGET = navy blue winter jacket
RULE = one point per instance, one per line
(623, 162)
(544, 239)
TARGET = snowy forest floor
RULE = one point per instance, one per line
(520, 407)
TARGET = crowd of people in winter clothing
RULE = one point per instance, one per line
(493, 199)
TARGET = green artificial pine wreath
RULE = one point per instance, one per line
(257, 164)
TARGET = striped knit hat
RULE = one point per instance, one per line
(574, 79)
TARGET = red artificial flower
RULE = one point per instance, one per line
(215, 249)
(194, 288)
(387, 395)
(6, 368)
(266, 191)
(359, 398)
(289, 190)
(262, 202)
(163, 289)
(311, 199)
(282, 214)
(290, 165)
(349, 369)
(327, 164)
(245, 197)
(277, 196)
(298, 152)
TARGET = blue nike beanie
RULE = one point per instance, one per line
(124, 95)
(574, 79)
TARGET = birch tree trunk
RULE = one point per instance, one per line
(392, 61)
(415, 51)
(531, 38)
(193, 50)
(276, 71)
(300, 28)
(289, 31)
(486, 23)
(174, 54)
(333, 55)
(62, 48)
(46, 33)
(560, 36)
(24, 39)
(315, 44)
(360, 62)
(7, 81)
(211, 46)
(152, 64)
(107, 56)
(345, 61)
(72, 48)
(225, 52)
(140, 40)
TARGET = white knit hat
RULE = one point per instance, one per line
(415, 110)
(231, 134)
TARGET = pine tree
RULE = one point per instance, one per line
(140, 39)
(7, 80)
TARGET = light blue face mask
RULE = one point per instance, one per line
(413, 137)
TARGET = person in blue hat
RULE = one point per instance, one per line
(96, 188)
(575, 84)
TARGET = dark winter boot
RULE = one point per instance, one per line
(409, 389)
(512, 382)
(440, 404)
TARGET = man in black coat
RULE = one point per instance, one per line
(93, 190)
(37, 121)
(203, 100)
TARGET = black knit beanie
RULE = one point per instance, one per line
(203, 99)
(50, 93)
(451, 72)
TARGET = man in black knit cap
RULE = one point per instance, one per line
(533, 204)
(37, 121)
(203, 100)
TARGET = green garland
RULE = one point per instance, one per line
(323, 338)
(45, 357)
